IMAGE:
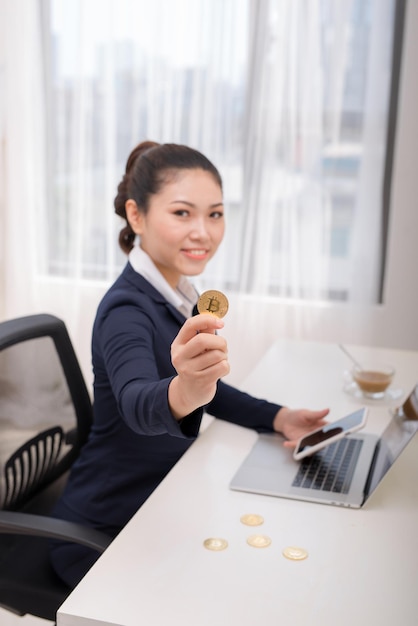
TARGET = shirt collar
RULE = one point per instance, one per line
(183, 297)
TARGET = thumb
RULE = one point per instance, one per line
(202, 323)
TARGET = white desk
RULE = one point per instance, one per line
(362, 566)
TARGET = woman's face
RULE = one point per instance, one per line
(184, 224)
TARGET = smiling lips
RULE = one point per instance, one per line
(196, 253)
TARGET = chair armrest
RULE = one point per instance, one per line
(15, 523)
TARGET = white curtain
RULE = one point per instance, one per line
(289, 98)
(286, 212)
(22, 127)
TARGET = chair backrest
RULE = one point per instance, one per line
(45, 408)
(31, 465)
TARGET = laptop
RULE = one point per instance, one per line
(345, 473)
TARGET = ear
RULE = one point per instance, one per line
(134, 216)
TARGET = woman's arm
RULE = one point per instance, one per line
(200, 359)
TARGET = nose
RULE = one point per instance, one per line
(199, 229)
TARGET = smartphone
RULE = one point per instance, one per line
(324, 436)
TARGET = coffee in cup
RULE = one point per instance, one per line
(373, 378)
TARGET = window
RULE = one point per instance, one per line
(290, 99)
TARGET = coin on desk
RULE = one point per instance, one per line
(259, 541)
(252, 519)
(295, 554)
(215, 543)
(214, 302)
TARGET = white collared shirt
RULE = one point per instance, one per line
(183, 297)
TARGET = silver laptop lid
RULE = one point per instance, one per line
(399, 432)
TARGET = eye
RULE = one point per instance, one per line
(182, 212)
(217, 215)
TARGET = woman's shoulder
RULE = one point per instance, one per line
(130, 291)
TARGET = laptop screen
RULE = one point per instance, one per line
(395, 437)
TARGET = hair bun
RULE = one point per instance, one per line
(127, 239)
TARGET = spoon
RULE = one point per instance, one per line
(350, 356)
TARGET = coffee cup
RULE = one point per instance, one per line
(373, 378)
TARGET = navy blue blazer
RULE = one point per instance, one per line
(135, 440)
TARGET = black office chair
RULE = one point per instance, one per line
(45, 418)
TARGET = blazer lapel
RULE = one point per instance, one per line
(143, 285)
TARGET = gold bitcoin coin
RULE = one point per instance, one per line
(214, 302)
(259, 541)
(295, 554)
(251, 519)
(215, 543)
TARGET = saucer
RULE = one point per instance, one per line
(392, 394)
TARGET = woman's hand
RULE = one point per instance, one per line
(200, 358)
(294, 423)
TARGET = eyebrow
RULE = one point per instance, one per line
(190, 204)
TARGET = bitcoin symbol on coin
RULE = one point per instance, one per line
(213, 306)
(214, 302)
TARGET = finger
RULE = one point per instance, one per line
(212, 371)
(200, 351)
(203, 342)
(203, 323)
(290, 444)
(206, 360)
(316, 416)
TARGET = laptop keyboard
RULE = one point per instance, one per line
(330, 469)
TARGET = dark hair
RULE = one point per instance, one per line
(148, 167)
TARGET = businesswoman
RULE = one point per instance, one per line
(157, 366)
